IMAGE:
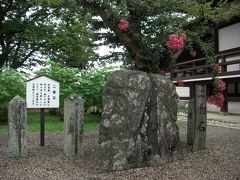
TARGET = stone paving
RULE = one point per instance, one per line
(216, 119)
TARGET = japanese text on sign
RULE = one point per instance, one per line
(42, 92)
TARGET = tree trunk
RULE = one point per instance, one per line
(2, 61)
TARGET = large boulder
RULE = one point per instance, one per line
(138, 126)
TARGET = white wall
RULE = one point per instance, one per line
(233, 67)
(213, 108)
(183, 91)
(234, 107)
(229, 37)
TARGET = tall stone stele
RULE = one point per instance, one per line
(17, 124)
(73, 125)
(138, 126)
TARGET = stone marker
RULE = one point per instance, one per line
(138, 126)
(73, 125)
(17, 124)
(200, 129)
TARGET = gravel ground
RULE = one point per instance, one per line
(220, 160)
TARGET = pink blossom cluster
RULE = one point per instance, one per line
(221, 85)
(193, 53)
(218, 68)
(123, 24)
(180, 82)
(175, 42)
(217, 99)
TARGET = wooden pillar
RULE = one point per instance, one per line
(42, 126)
(194, 72)
(191, 116)
(199, 139)
(224, 66)
(225, 103)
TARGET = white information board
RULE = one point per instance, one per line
(42, 92)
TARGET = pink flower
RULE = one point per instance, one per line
(175, 42)
(123, 24)
(218, 68)
(221, 85)
(180, 82)
(217, 99)
(193, 53)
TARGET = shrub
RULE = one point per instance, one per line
(11, 84)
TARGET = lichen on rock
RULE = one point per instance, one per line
(138, 126)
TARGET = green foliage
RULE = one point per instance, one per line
(56, 29)
(11, 84)
(87, 83)
(217, 11)
(91, 85)
(71, 40)
(91, 123)
(68, 78)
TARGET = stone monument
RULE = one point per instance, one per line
(73, 125)
(17, 124)
(138, 126)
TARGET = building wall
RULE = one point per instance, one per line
(229, 37)
(213, 108)
(233, 108)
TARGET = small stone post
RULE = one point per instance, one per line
(73, 125)
(17, 123)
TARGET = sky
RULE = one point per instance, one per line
(102, 51)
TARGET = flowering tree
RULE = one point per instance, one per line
(143, 28)
(155, 32)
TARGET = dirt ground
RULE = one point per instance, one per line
(220, 160)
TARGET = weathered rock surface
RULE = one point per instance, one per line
(73, 125)
(17, 124)
(138, 126)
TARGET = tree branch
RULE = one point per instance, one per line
(132, 43)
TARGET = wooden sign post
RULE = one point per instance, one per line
(197, 114)
(190, 122)
(42, 126)
(200, 124)
(42, 92)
